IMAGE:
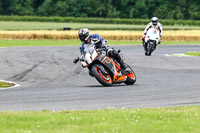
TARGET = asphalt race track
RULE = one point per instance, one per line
(50, 81)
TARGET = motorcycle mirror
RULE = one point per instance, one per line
(119, 51)
(76, 60)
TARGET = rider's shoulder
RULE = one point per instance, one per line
(95, 35)
(82, 44)
(150, 23)
(159, 24)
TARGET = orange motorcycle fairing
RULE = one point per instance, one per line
(131, 75)
(118, 77)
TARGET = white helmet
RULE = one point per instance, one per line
(154, 20)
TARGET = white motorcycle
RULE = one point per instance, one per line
(152, 39)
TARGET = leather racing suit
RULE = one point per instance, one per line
(150, 25)
(102, 43)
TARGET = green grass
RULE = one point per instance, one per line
(193, 53)
(14, 43)
(179, 43)
(147, 120)
(10, 25)
(4, 84)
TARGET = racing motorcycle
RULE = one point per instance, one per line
(152, 39)
(106, 70)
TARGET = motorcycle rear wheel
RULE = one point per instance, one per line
(104, 79)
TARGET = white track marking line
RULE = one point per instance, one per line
(178, 55)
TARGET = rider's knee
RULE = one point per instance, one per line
(113, 53)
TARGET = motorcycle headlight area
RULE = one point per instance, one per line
(94, 54)
(84, 63)
(88, 58)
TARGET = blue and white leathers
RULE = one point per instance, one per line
(97, 40)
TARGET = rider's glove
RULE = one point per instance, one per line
(82, 57)
(83, 66)
(143, 37)
(159, 41)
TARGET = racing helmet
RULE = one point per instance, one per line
(84, 35)
(154, 20)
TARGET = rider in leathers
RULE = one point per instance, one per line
(153, 24)
(99, 42)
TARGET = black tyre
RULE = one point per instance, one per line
(150, 49)
(131, 77)
(149, 53)
(104, 79)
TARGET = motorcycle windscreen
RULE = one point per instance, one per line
(152, 34)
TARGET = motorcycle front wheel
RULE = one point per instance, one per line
(100, 76)
(131, 77)
(149, 49)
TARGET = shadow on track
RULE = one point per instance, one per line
(115, 85)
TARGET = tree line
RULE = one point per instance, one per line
(141, 9)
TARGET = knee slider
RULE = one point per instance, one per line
(116, 56)
(115, 53)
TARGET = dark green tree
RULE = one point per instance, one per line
(194, 9)
(1, 8)
(170, 9)
(5, 10)
(47, 8)
(37, 4)
(21, 7)
(140, 10)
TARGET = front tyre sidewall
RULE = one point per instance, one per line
(149, 49)
(131, 78)
(96, 71)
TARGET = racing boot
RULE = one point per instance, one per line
(124, 68)
(115, 54)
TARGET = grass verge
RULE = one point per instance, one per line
(193, 53)
(5, 84)
(155, 120)
(14, 43)
(13, 25)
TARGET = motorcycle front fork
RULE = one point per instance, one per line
(144, 45)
